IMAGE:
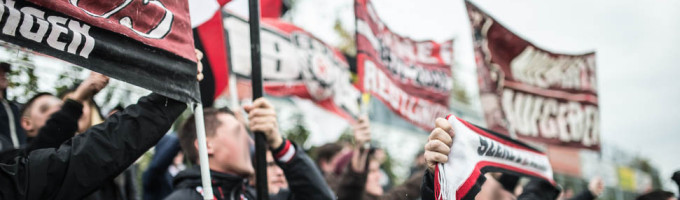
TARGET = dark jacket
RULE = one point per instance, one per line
(539, 190)
(59, 128)
(5, 132)
(304, 179)
(156, 180)
(534, 190)
(85, 162)
(427, 187)
(585, 195)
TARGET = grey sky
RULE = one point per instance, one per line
(637, 45)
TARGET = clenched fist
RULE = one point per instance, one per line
(90, 87)
(262, 118)
(439, 144)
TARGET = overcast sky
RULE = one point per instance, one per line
(637, 44)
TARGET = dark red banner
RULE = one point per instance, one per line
(532, 93)
(146, 43)
(294, 63)
(413, 78)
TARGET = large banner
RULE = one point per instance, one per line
(146, 43)
(476, 152)
(413, 78)
(532, 93)
(294, 63)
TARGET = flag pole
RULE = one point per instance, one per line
(203, 152)
(256, 61)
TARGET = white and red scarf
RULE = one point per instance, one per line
(475, 152)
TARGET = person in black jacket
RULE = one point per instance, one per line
(54, 131)
(656, 195)
(83, 163)
(80, 165)
(12, 136)
(229, 156)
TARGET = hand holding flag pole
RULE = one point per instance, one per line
(256, 62)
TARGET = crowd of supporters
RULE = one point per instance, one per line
(62, 147)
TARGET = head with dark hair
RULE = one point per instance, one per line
(327, 156)
(656, 195)
(539, 189)
(37, 110)
(227, 141)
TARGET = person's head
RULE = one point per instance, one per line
(328, 156)
(37, 111)
(492, 189)
(539, 189)
(91, 115)
(656, 195)
(4, 69)
(275, 177)
(227, 142)
(373, 186)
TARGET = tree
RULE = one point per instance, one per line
(23, 82)
(299, 133)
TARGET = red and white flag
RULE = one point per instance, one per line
(206, 21)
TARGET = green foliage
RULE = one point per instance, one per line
(299, 133)
(459, 93)
(347, 44)
(22, 78)
(67, 79)
(644, 165)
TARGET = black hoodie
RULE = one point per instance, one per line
(83, 163)
(225, 186)
(304, 179)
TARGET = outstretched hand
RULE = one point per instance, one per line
(439, 144)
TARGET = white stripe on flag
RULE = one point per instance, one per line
(201, 11)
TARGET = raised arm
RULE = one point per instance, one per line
(304, 178)
(60, 126)
(79, 166)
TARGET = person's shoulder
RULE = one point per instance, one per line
(184, 194)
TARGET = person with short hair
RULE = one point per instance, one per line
(86, 161)
(37, 111)
(228, 145)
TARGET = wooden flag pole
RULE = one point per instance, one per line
(256, 62)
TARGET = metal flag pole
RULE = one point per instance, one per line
(256, 62)
(203, 152)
